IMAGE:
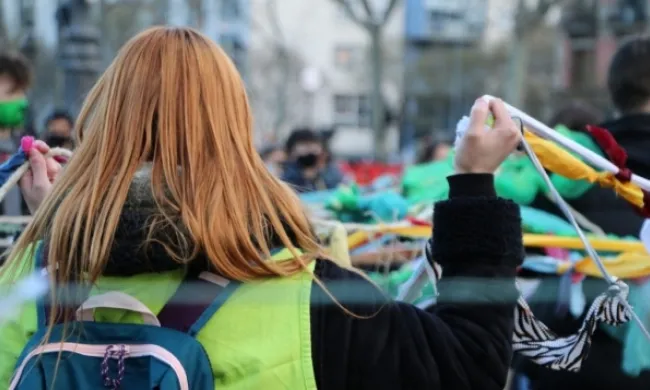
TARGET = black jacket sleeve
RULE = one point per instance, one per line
(463, 342)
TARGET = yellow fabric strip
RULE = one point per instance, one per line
(599, 244)
(339, 247)
(530, 240)
(559, 161)
(625, 266)
(357, 238)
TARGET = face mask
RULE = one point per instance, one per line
(13, 113)
(57, 141)
(307, 160)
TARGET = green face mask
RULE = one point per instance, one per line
(12, 113)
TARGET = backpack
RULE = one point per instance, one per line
(161, 354)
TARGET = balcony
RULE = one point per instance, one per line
(444, 22)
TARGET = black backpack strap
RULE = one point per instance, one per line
(195, 302)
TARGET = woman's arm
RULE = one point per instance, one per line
(464, 342)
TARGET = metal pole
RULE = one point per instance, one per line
(80, 53)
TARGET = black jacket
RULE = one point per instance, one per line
(330, 177)
(602, 369)
(454, 345)
(632, 132)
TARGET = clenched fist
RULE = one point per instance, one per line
(481, 150)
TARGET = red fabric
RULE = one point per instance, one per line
(418, 222)
(577, 278)
(618, 156)
(365, 173)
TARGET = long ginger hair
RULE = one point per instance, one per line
(171, 98)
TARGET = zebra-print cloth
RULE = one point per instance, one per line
(538, 343)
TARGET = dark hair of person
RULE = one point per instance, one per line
(59, 114)
(16, 66)
(301, 135)
(628, 79)
(427, 152)
(576, 116)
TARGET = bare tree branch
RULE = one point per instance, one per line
(528, 19)
(389, 11)
(272, 16)
(545, 5)
(352, 15)
(369, 12)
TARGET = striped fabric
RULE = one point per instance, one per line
(537, 342)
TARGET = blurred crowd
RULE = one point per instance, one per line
(17, 120)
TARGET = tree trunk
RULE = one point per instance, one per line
(376, 99)
(11, 19)
(281, 89)
(515, 92)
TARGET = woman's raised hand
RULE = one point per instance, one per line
(481, 150)
(36, 183)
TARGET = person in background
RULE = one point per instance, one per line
(58, 130)
(434, 151)
(274, 157)
(612, 349)
(309, 168)
(15, 81)
(629, 89)
(576, 115)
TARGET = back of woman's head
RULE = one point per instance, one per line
(171, 98)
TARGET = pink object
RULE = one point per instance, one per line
(577, 278)
(558, 253)
(26, 143)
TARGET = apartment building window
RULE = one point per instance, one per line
(347, 57)
(231, 10)
(352, 110)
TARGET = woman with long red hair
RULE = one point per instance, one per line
(166, 190)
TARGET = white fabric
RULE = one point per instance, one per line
(115, 300)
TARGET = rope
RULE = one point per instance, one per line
(581, 219)
(365, 227)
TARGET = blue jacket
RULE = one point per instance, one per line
(327, 179)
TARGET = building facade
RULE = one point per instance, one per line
(434, 27)
(314, 56)
(225, 21)
(593, 30)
